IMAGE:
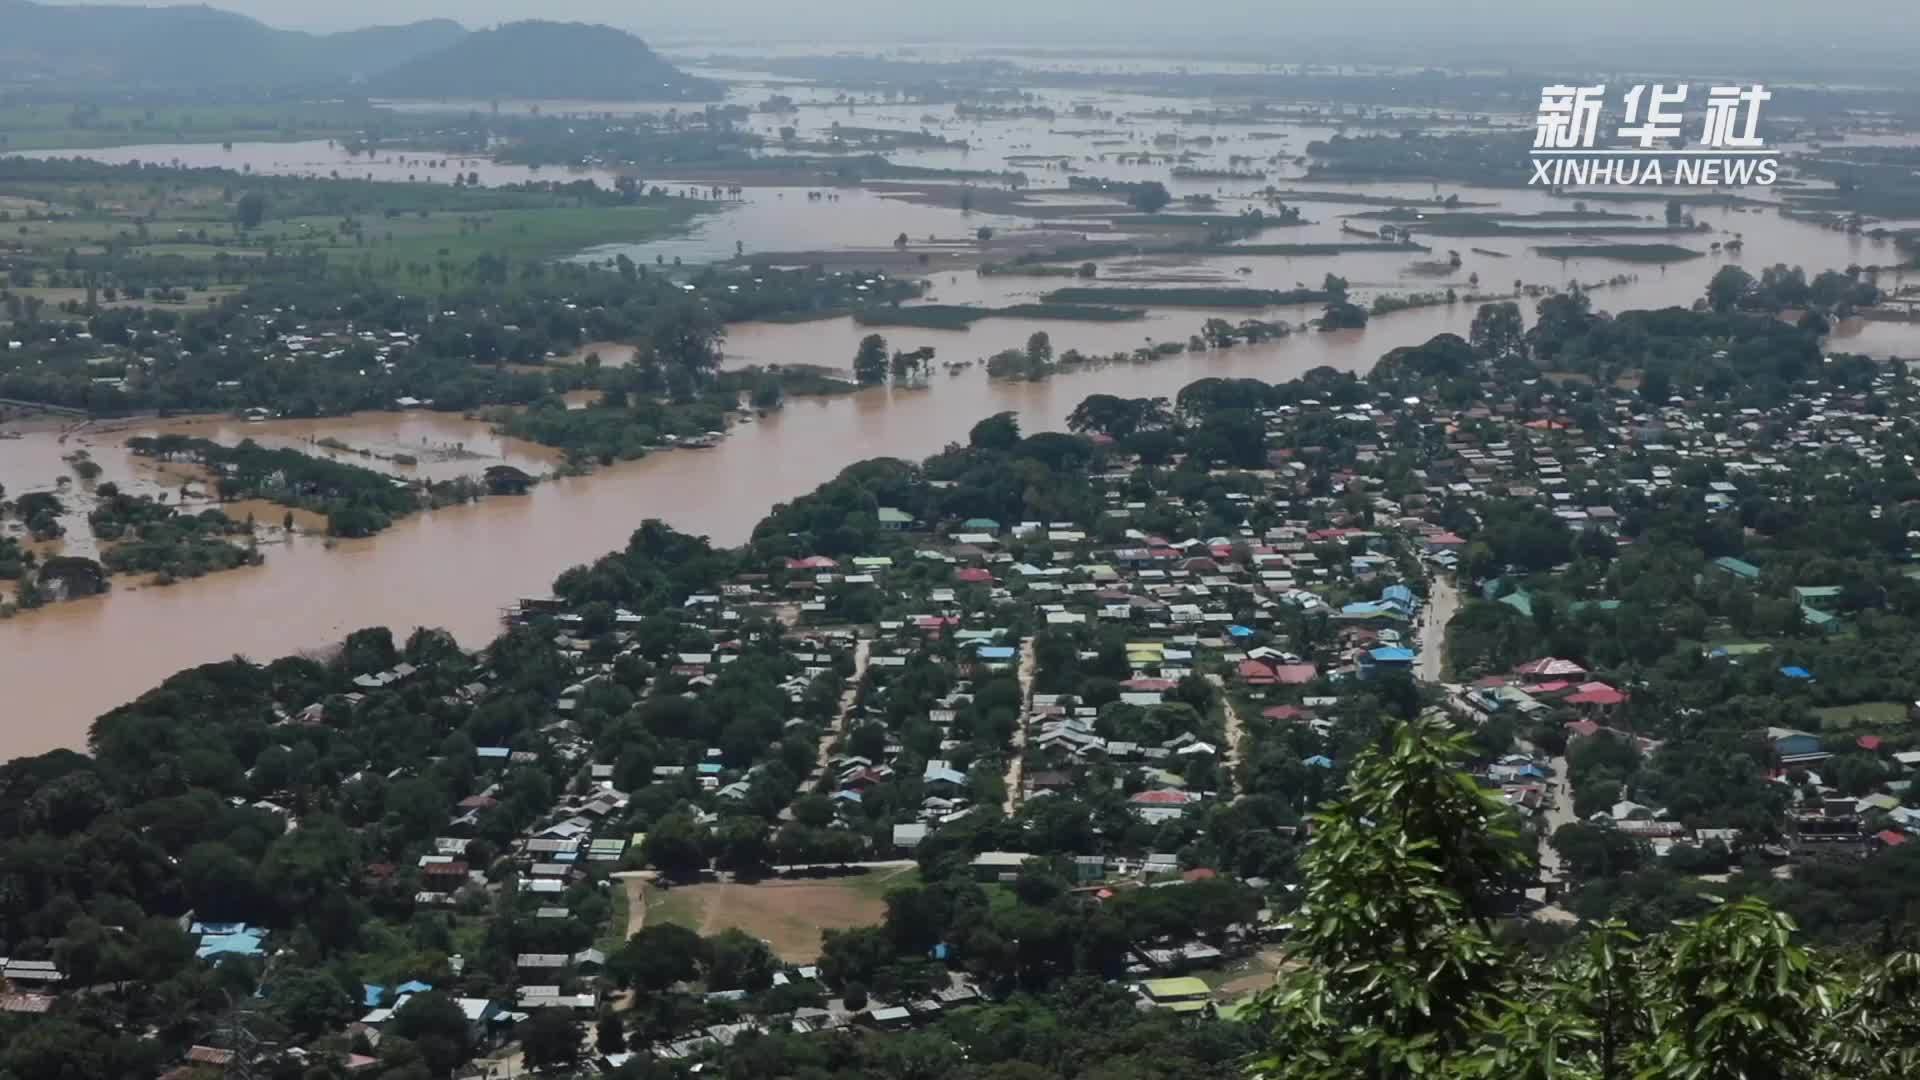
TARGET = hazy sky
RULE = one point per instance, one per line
(1713, 26)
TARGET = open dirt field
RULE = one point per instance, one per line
(789, 915)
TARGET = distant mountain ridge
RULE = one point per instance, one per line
(536, 59)
(193, 47)
(196, 47)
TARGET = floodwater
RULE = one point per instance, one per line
(456, 568)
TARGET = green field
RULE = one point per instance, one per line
(1874, 715)
(64, 126)
(404, 232)
(1638, 253)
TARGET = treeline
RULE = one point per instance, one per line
(211, 359)
(356, 501)
(146, 535)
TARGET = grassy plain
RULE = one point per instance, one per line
(788, 914)
(398, 231)
(65, 126)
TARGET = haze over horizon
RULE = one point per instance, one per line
(1489, 30)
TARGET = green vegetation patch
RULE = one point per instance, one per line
(1639, 253)
(1198, 297)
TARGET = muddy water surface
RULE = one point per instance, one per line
(457, 567)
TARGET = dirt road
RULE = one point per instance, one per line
(1230, 753)
(1016, 768)
(861, 650)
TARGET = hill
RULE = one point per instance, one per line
(544, 60)
(193, 47)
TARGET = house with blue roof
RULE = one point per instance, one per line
(1400, 598)
(996, 654)
(947, 779)
(1386, 658)
(246, 942)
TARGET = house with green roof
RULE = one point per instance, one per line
(1519, 600)
(1739, 568)
(1819, 620)
(1823, 597)
(894, 520)
(1185, 994)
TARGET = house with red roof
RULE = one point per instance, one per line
(1596, 697)
(1295, 674)
(1162, 804)
(1256, 673)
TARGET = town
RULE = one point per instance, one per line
(1043, 708)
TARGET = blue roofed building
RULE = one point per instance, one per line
(247, 941)
(1386, 658)
(996, 654)
(1400, 598)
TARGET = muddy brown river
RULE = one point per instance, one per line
(64, 664)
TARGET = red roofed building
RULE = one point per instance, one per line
(1890, 837)
(1256, 673)
(1165, 804)
(1597, 697)
(973, 575)
(1868, 742)
(1296, 674)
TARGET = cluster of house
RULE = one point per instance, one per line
(834, 1015)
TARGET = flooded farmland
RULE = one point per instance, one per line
(457, 567)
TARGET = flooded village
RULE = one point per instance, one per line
(411, 575)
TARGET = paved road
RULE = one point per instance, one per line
(1559, 812)
(1443, 600)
